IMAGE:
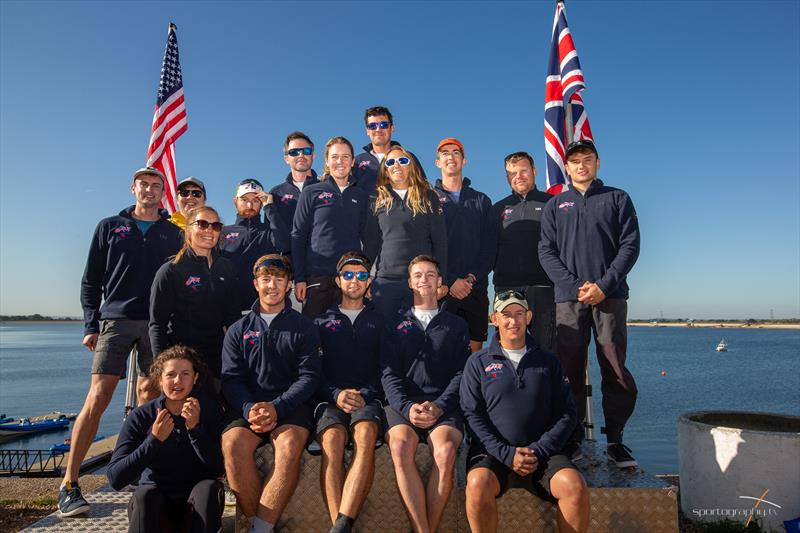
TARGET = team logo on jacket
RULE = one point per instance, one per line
(494, 369)
(232, 236)
(333, 324)
(251, 337)
(405, 326)
(564, 206)
(507, 213)
(193, 282)
(326, 197)
(443, 198)
(122, 231)
(363, 164)
(286, 199)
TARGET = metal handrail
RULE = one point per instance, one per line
(30, 462)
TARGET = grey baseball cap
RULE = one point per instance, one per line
(149, 170)
(194, 181)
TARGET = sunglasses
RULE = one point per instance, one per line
(205, 224)
(294, 152)
(277, 263)
(349, 275)
(382, 125)
(402, 161)
(505, 295)
(196, 193)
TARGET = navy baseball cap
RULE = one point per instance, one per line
(577, 145)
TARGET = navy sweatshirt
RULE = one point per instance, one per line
(327, 223)
(191, 303)
(367, 167)
(248, 239)
(121, 265)
(350, 353)
(518, 221)
(393, 239)
(424, 364)
(180, 462)
(531, 406)
(592, 237)
(471, 233)
(285, 197)
(279, 364)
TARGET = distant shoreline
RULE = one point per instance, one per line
(717, 325)
(43, 321)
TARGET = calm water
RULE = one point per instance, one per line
(43, 367)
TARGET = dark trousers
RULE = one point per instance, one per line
(576, 322)
(321, 293)
(542, 301)
(390, 296)
(153, 509)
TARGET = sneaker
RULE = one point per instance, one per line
(71, 502)
(620, 455)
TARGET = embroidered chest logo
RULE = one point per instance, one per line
(493, 370)
(564, 206)
(326, 197)
(193, 282)
(507, 213)
(122, 232)
(251, 337)
(333, 325)
(363, 164)
(287, 199)
(405, 326)
(232, 236)
(443, 198)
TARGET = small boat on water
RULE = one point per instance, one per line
(722, 346)
(64, 446)
(28, 426)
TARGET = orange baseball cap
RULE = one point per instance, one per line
(450, 140)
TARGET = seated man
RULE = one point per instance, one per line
(422, 356)
(270, 369)
(350, 410)
(520, 414)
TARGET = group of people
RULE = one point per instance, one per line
(348, 309)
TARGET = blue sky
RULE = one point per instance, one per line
(694, 107)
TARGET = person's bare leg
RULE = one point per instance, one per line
(289, 442)
(331, 474)
(403, 443)
(146, 390)
(444, 442)
(482, 490)
(101, 390)
(362, 468)
(238, 449)
(569, 488)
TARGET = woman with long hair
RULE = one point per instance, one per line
(406, 220)
(195, 297)
(171, 445)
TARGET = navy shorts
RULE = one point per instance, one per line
(537, 483)
(301, 416)
(452, 419)
(328, 414)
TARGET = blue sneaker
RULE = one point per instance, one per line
(70, 500)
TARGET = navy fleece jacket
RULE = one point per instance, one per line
(365, 171)
(279, 364)
(424, 364)
(592, 237)
(327, 223)
(471, 233)
(175, 465)
(531, 406)
(121, 265)
(285, 197)
(350, 353)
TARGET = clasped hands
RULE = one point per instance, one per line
(163, 425)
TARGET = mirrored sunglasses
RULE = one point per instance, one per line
(382, 125)
(294, 152)
(402, 161)
(349, 275)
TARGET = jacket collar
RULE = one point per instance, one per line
(163, 214)
(309, 179)
(255, 309)
(465, 184)
(255, 220)
(368, 147)
(495, 350)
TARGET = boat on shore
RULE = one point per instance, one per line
(16, 428)
(65, 446)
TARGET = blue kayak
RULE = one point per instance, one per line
(24, 426)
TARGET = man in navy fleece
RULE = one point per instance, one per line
(589, 243)
(350, 408)
(422, 355)
(520, 414)
(270, 369)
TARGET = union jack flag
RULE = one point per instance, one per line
(564, 84)
(169, 120)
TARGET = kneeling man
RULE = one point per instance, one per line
(520, 414)
(423, 356)
(270, 369)
(350, 408)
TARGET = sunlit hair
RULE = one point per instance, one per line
(192, 216)
(417, 197)
(179, 351)
(425, 259)
(262, 266)
(376, 112)
(335, 140)
(294, 136)
(518, 156)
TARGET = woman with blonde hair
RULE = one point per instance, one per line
(406, 220)
(195, 297)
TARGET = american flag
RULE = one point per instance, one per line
(563, 85)
(169, 119)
